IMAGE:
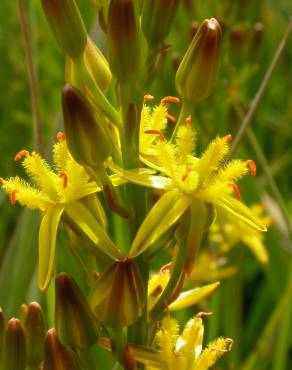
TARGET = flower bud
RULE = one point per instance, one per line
(96, 64)
(75, 323)
(197, 71)
(117, 298)
(67, 25)
(157, 18)
(35, 334)
(87, 139)
(123, 39)
(14, 354)
(58, 356)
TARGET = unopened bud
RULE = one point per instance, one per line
(67, 25)
(157, 18)
(96, 64)
(14, 355)
(57, 355)
(196, 74)
(87, 139)
(35, 334)
(123, 39)
(117, 298)
(75, 323)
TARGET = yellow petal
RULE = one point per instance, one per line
(90, 226)
(193, 296)
(164, 214)
(241, 211)
(47, 244)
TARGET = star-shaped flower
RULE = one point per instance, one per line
(58, 193)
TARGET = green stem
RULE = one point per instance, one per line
(118, 343)
(185, 111)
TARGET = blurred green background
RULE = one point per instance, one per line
(254, 306)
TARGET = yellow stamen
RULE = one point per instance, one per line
(252, 166)
(227, 138)
(236, 190)
(189, 120)
(186, 174)
(64, 178)
(170, 118)
(13, 197)
(155, 132)
(148, 97)
(60, 136)
(165, 268)
(203, 314)
(22, 153)
(170, 99)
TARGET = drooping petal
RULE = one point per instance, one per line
(164, 214)
(193, 296)
(47, 245)
(89, 225)
(241, 211)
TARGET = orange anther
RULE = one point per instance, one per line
(13, 197)
(252, 166)
(204, 314)
(229, 342)
(60, 136)
(227, 138)
(189, 120)
(236, 190)
(165, 268)
(186, 174)
(170, 118)
(155, 132)
(22, 153)
(148, 97)
(64, 179)
(170, 99)
(1, 180)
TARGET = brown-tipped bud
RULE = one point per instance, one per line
(67, 25)
(14, 354)
(96, 64)
(87, 138)
(123, 39)
(75, 322)
(197, 72)
(57, 355)
(117, 298)
(157, 18)
(35, 334)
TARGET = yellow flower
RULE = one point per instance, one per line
(228, 231)
(184, 351)
(58, 193)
